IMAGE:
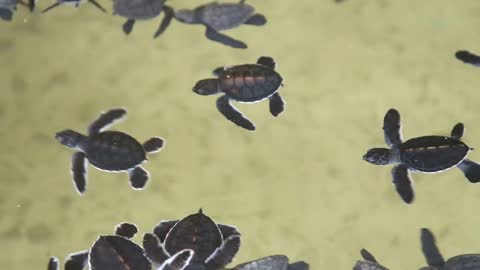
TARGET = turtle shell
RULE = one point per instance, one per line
(117, 253)
(114, 151)
(138, 9)
(249, 83)
(224, 16)
(463, 262)
(197, 232)
(8, 4)
(432, 154)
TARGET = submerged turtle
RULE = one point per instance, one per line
(369, 263)
(108, 150)
(468, 58)
(113, 252)
(142, 10)
(214, 245)
(274, 262)
(244, 83)
(222, 16)
(435, 259)
(75, 3)
(8, 7)
(427, 154)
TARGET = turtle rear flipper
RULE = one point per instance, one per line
(77, 261)
(53, 264)
(257, 19)
(214, 35)
(168, 16)
(105, 120)
(128, 26)
(277, 105)
(51, 7)
(138, 177)
(127, 230)
(457, 131)
(392, 128)
(154, 144)
(403, 183)
(429, 248)
(178, 261)
(79, 171)
(300, 265)
(95, 3)
(468, 57)
(224, 254)
(471, 170)
(153, 249)
(227, 230)
(232, 114)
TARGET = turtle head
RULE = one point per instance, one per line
(378, 156)
(186, 16)
(69, 138)
(206, 87)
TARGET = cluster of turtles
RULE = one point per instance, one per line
(432, 255)
(195, 243)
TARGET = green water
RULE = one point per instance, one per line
(297, 185)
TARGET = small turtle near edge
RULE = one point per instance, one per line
(426, 154)
(247, 83)
(142, 10)
(436, 261)
(112, 151)
(369, 262)
(222, 16)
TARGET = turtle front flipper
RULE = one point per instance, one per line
(214, 35)
(277, 105)
(429, 248)
(127, 230)
(232, 114)
(77, 261)
(138, 177)
(267, 61)
(403, 183)
(153, 249)
(270, 262)
(178, 261)
(224, 254)
(53, 264)
(163, 228)
(127, 26)
(228, 230)
(95, 3)
(470, 169)
(51, 7)
(468, 58)
(457, 131)
(79, 171)
(154, 145)
(105, 120)
(257, 20)
(392, 128)
(168, 16)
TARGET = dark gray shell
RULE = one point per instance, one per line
(117, 253)
(224, 16)
(8, 4)
(275, 262)
(114, 151)
(138, 9)
(249, 83)
(433, 153)
(463, 262)
(197, 232)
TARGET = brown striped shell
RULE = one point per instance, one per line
(433, 153)
(249, 83)
(114, 151)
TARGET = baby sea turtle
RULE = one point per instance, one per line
(468, 58)
(8, 7)
(142, 10)
(274, 262)
(113, 252)
(214, 245)
(75, 3)
(427, 154)
(369, 263)
(247, 83)
(435, 259)
(222, 16)
(108, 150)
